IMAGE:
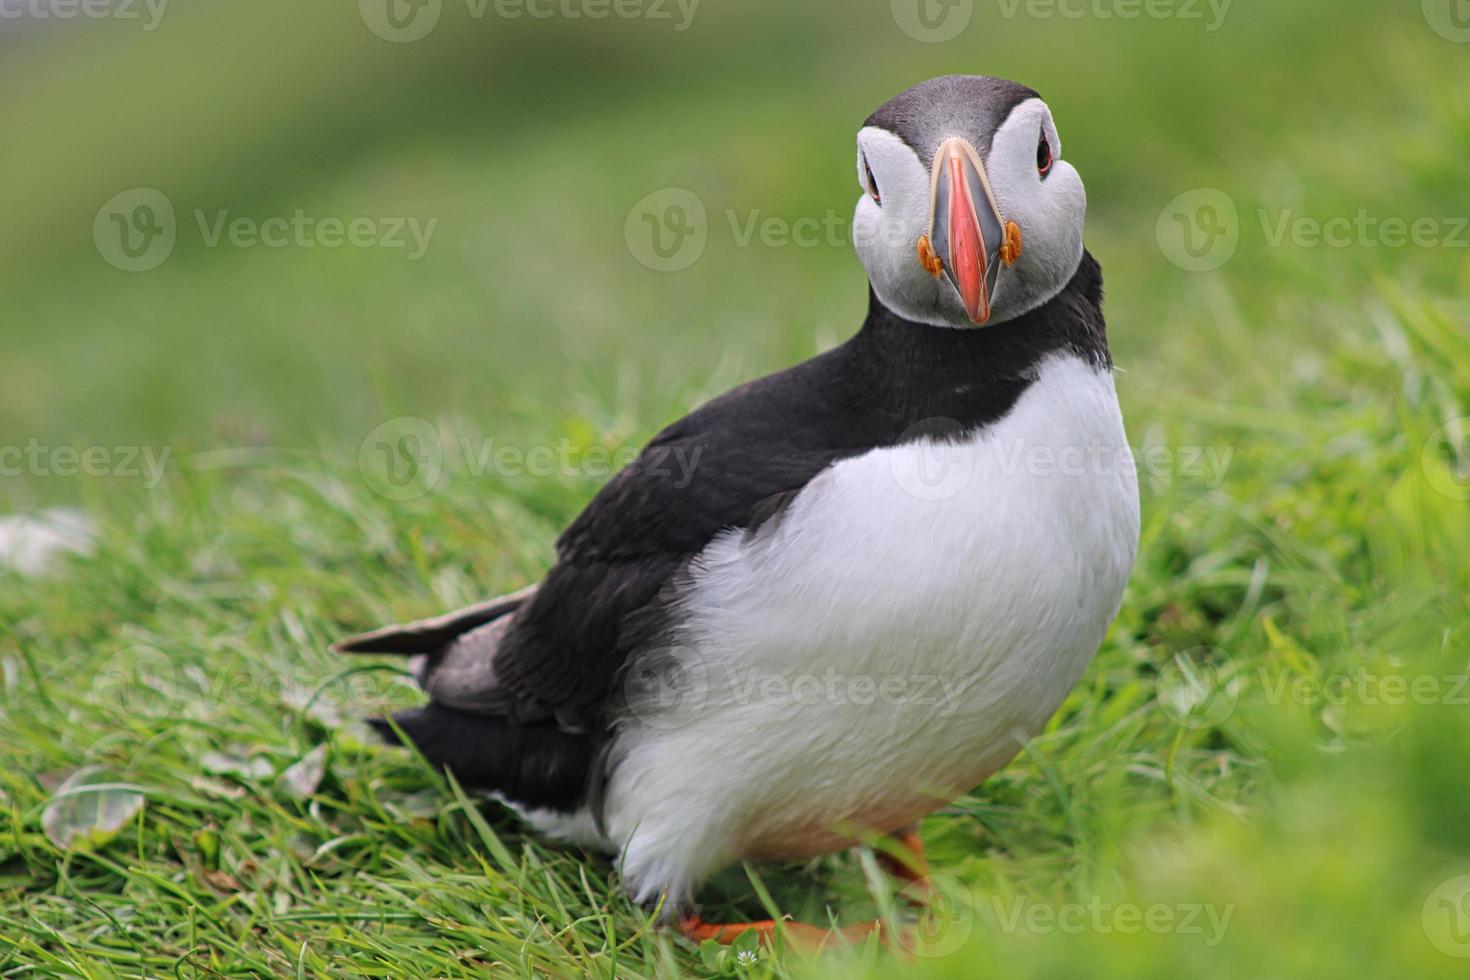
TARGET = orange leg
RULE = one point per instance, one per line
(901, 854)
(807, 937)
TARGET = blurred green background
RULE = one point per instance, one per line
(1326, 386)
(528, 141)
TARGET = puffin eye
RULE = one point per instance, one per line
(870, 182)
(1044, 158)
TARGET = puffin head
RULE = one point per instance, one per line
(969, 214)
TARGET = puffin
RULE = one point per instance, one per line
(880, 575)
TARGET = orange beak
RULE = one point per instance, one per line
(966, 234)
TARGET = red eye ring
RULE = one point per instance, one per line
(872, 182)
(1044, 158)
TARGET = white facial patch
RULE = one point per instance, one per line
(886, 236)
(1050, 212)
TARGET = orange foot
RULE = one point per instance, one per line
(807, 937)
(901, 854)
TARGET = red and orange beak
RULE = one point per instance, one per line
(967, 241)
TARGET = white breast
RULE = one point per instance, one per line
(887, 644)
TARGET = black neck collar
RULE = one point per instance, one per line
(912, 371)
(1072, 320)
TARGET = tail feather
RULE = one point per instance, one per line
(535, 764)
(428, 635)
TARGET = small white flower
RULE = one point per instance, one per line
(747, 957)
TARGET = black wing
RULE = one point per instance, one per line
(734, 463)
(518, 685)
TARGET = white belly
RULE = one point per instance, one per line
(887, 644)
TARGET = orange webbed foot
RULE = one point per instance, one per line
(809, 938)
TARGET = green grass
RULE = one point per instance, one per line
(1315, 559)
